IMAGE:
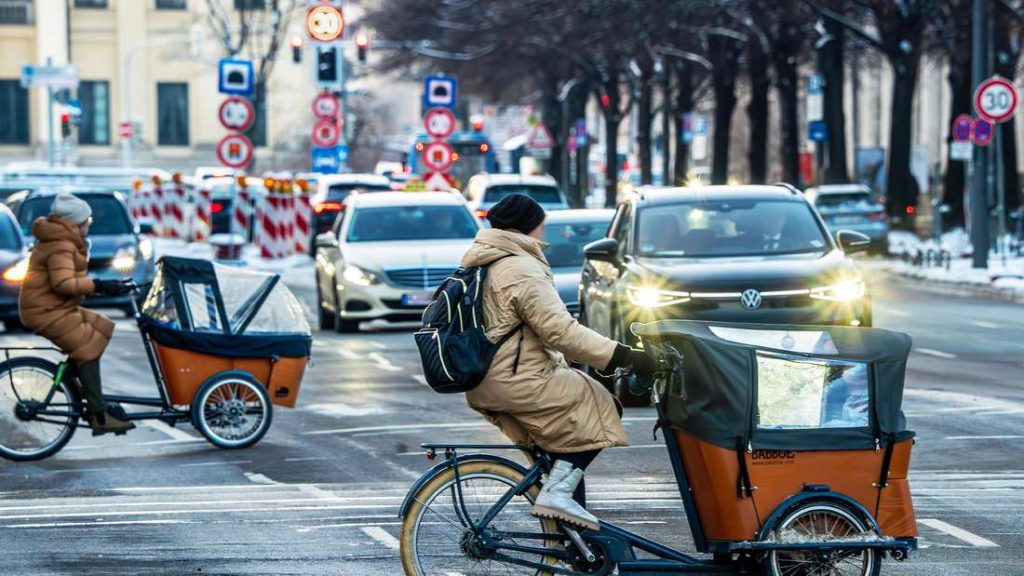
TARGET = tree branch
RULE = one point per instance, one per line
(850, 25)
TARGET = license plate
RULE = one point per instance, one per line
(846, 220)
(418, 299)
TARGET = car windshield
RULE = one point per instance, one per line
(729, 228)
(109, 216)
(338, 192)
(540, 193)
(566, 242)
(10, 238)
(848, 200)
(397, 223)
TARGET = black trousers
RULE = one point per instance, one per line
(92, 389)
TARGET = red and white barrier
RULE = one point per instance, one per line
(203, 223)
(242, 213)
(303, 223)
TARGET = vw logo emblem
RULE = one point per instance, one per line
(750, 299)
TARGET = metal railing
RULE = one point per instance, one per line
(16, 12)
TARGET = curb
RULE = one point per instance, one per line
(956, 288)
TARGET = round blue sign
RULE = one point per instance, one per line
(963, 126)
(982, 132)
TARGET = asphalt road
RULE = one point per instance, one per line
(319, 494)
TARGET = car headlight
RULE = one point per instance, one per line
(18, 272)
(648, 297)
(124, 260)
(359, 277)
(145, 248)
(842, 292)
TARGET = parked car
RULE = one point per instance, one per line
(387, 253)
(758, 254)
(333, 189)
(485, 190)
(118, 245)
(852, 207)
(568, 232)
(14, 266)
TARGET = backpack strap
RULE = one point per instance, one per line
(519, 346)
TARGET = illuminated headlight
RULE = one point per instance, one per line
(359, 277)
(145, 248)
(841, 292)
(18, 272)
(124, 260)
(647, 297)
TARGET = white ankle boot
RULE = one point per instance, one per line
(555, 499)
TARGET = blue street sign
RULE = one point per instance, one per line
(815, 85)
(326, 160)
(440, 91)
(817, 131)
(581, 132)
(235, 76)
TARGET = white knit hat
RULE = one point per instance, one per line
(71, 208)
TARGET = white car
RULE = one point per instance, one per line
(486, 190)
(387, 254)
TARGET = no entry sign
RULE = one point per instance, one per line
(234, 151)
(237, 113)
(326, 133)
(437, 156)
(439, 123)
(996, 99)
(963, 128)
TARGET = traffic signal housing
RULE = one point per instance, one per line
(327, 64)
(65, 125)
(362, 45)
(296, 42)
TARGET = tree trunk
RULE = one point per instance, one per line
(835, 117)
(900, 187)
(1011, 178)
(757, 113)
(552, 114)
(955, 179)
(786, 84)
(611, 157)
(684, 105)
(1006, 39)
(723, 84)
(644, 117)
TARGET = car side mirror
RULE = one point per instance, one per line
(326, 240)
(146, 226)
(852, 242)
(603, 250)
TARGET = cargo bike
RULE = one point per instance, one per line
(224, 345)
(788, 445)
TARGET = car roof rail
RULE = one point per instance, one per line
(792, 189)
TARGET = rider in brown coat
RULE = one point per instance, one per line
(51, 295)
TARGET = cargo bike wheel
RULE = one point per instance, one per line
(232, 410)
(818, 521)
(28, 386)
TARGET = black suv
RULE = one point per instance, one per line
(756, 254)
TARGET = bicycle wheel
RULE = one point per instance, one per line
(25, 384)
(232, 410)
(435, 541)
(819, 521)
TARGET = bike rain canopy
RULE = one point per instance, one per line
(783, 387)
(223, 310)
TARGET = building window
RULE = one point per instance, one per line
(13, 113)
(90, 3)
(95, 126)
(16, 12)
(250, 4)
(171, 5)
(172, 113)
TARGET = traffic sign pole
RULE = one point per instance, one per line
(978, 199)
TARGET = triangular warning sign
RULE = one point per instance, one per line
(540, 137)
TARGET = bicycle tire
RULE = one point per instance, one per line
(69, 391)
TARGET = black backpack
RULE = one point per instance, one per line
(455, 353)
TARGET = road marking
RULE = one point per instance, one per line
(997, 437)
(420, 378)
(383, 362)
(170, 431)
(984, 324)
(320, 493)
(345, 525)
(381, 535)
(936, 353)
(259, 478)
(349, 354)
(960, 533)
(221, 463)
(99, 523)
(308, 459)
(399, 428)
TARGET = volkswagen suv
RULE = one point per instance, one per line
(756, 254)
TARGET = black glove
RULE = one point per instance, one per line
(637, 360)
(112, 287)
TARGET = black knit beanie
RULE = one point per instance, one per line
(516, 212)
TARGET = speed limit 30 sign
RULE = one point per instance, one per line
(996, 99)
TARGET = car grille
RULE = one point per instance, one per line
(419, 278)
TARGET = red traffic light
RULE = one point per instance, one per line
(296, 41)
(65, 117)
(910, 209)
(605, 100)
(362, 40)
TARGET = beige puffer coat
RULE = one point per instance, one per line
(544, 401)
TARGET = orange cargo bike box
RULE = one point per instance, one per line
(779, 434)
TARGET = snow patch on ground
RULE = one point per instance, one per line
(297, 270)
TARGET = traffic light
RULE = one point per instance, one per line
(327, 64)
(362, 45)
(65, 125)
(296, 41)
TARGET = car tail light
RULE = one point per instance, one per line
(481, 214)
(216, 207)
(325, 206)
